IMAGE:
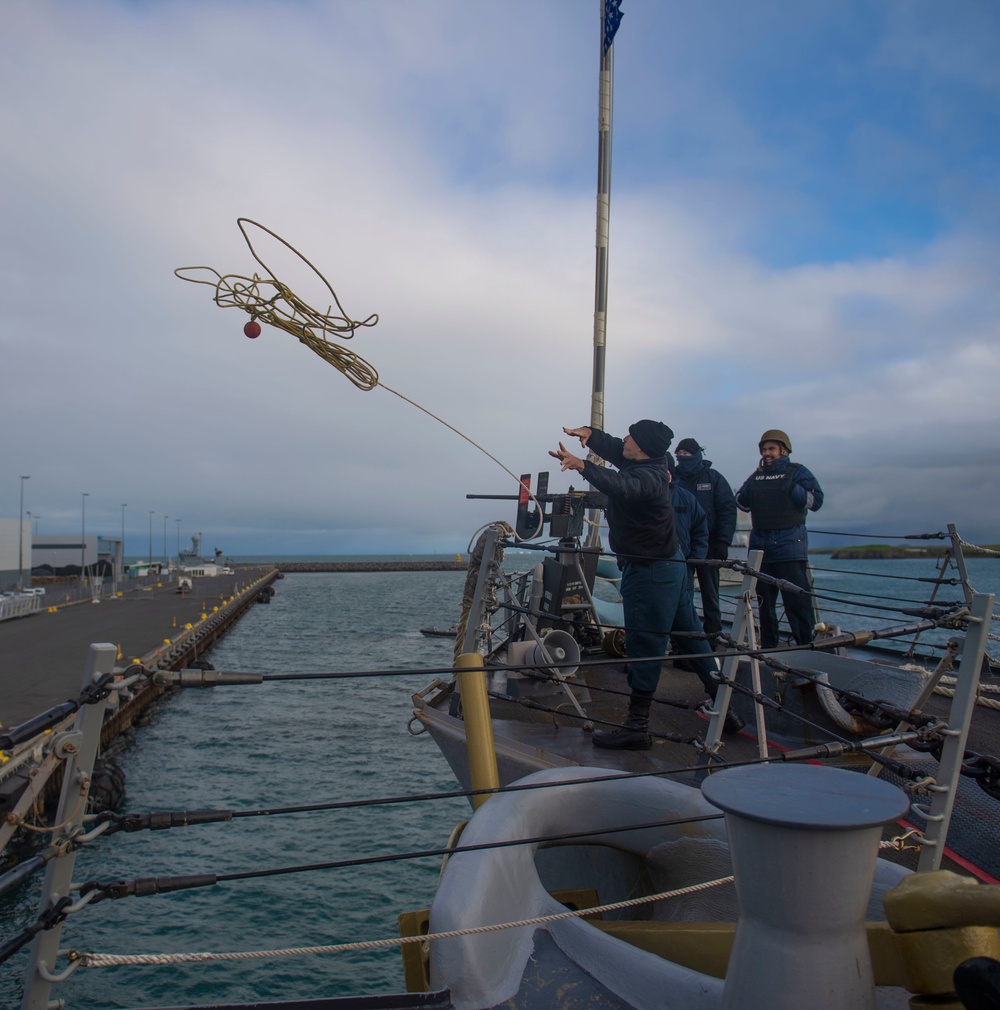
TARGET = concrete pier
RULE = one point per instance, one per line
(42, 656)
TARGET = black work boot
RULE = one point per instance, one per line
(733, 722)
(634, 735)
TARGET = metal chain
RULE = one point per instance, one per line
(985, 770)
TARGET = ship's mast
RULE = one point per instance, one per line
(610, 18)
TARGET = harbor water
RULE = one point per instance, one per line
(301, 742)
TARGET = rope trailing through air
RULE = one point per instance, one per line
(269, 300)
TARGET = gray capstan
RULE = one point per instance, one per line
(803, 841)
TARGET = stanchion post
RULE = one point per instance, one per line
(957, 735)
(79, 748)
(744, 615)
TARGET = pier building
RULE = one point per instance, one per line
(55, 554)
(15, 536)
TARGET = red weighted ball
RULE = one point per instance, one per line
(252, 329)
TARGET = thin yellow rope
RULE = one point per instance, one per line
(272, 302)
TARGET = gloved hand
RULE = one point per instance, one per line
(719, 551)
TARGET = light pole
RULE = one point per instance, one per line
(124, 505)
(83, 533)
(151, 539)
(166, 560)
(20, 536)
(178, 538)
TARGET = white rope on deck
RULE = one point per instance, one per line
(949, 692)
(111, 960)
(978, 549)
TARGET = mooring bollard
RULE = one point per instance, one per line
(803, 841)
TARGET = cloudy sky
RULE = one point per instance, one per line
(804, 235)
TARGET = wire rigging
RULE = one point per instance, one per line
(882, 575)
(885, 536)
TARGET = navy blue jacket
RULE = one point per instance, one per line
(640, 510)
(792, 542)
(690, 524)
(714, 495)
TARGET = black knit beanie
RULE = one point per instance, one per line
(653, 437)
(690, 445)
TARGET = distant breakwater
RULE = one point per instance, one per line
(370, 566)
(885, 552)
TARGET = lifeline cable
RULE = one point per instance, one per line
(740, 566)
(93, 960)
(782, 584)
(927, 602)
(818, 645)
(159, 820)
(286, 311)
(143, 887)
(110, 822)
(807, 754)
(884, 575)
(146, 886)
(885, 536)
(900, 843)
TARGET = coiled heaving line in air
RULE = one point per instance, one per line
(270, 301)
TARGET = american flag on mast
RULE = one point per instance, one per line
(612, 19)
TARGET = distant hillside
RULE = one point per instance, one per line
(857, 551)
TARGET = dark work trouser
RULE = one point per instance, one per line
(650, 595)
(799, 607)
(708, 583)
(686, 619)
